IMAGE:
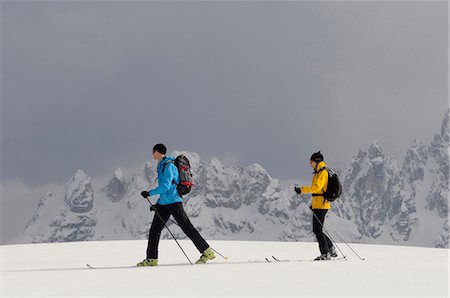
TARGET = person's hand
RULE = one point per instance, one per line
(298, 190)
(153, 208)
(145, 194)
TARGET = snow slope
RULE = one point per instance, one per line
(59, 269)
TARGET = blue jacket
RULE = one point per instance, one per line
(167, 183)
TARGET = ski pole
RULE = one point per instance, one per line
(224, 257)
(362, 259)
(160, 218)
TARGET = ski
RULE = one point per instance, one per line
(273, 259)
(304, 260)
(266, 260)
(110, 267)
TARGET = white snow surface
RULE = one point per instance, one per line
(59, 270)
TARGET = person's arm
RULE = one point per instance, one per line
(318, 185)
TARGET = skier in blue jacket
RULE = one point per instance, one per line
(170, 203)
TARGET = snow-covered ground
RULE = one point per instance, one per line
(46, 270)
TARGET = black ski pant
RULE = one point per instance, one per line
(318, 222)
(163, 212)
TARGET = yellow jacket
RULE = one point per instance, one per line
(319, 186)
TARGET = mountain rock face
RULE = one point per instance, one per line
(116, 188)
(68, 219)
(382, 202)
(79, 193)
(402, 205)
(375, 190)
(438, 151)
(375, 197)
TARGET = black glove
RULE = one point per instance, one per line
(298, 190)
(153, 208)
(145, 194)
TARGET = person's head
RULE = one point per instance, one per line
(159, 151)
(315, 159)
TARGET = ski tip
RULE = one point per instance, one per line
(226, 258)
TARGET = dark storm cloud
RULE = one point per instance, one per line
(94, 85)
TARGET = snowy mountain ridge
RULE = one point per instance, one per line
(382, 202)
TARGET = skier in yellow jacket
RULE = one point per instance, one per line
(319, 205)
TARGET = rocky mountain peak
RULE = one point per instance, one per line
(116, 187)
(414, 163)
(79, 196)
(375, 151)
(445, 129)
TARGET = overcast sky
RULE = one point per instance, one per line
(94, 85)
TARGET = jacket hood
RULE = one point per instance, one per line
(320, 166)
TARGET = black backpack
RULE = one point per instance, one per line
(184, 172)
(334, 187)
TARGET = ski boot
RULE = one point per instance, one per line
(207, 255)
(333, 252)
(148, 262)
(323, 257)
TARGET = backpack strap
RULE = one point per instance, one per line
(166, 162)
(316, 194)
(164, 166)
(317, 172)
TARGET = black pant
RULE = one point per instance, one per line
(318, 222)
(163, 212)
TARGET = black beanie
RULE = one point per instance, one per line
(317, 157)
(160, 148)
